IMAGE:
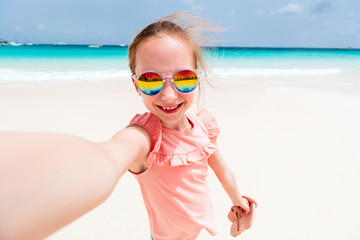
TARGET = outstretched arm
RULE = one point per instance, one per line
(49, 180)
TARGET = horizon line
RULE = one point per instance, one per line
(61, 44)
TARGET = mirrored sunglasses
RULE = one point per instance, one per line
(151, 83)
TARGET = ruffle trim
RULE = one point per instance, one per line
(210, 124)
(152, 125)
(163, 160)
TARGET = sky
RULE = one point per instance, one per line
(256, 23)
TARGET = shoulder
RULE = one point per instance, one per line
(127, 148)
(148, 123)
(132, 133)
(206, 116)
(210, 124)
(133, 138)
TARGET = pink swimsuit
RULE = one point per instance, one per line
(174, 186)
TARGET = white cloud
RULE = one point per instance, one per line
(83, 30)
(193, 5)
(260, 12)
(18, 29)
(41, 26)
(232, 12)
(291, 8)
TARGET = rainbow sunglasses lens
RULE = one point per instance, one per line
(185, 81)
(151, 83)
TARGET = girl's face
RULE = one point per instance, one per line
(166, 54)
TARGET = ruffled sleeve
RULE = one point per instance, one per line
(210, 124)
(152, 125)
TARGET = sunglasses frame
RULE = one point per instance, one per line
(163, 78)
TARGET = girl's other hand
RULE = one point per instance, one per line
(245, 202)
(249, 202)
(242, 215)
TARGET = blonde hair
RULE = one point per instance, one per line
(185, 26)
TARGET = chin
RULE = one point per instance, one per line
(172, 119)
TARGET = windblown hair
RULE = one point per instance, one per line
(184, 26)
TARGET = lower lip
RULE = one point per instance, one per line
(172, 110)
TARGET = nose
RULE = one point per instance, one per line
(168, 93)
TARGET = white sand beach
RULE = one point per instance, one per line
(294, 145)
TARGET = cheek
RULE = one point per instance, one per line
(148, 100)
(189, 97)
(136, 87)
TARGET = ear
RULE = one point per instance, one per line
(136, 86)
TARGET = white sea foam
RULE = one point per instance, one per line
(28, 76)
(275, 71)
(48, 75)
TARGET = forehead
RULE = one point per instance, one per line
(164, 53)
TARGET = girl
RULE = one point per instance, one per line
(167, 149)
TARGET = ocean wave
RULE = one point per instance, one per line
(275, 71)
(28, 76)
(47, 75)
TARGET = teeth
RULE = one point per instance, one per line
(172, 108)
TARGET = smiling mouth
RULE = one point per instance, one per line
(170, 109)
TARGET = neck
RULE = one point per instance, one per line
(184, 125)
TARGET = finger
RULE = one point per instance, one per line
(247, 209)
(245, 205)
(250, 200)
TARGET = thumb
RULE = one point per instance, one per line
(250, 200)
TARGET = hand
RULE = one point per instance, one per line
(245, 202)
(240, 218)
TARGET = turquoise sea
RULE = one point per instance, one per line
(81, 62)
